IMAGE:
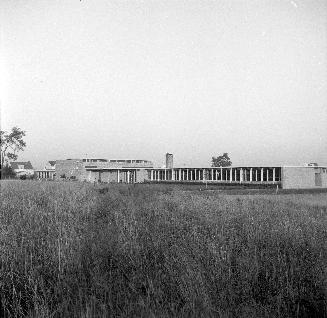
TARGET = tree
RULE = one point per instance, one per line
(11, 143)
(221, 161)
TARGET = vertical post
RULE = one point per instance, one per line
(241, 175)
(203, 174)
(221, 174)
(166, 174)
(274, 175)
(231, 175)
(235, 173)
(118, 175)
(261, 175)
(172, 174)
(180, 175)
(186, 174)
(250, 174)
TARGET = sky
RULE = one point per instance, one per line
(137, 79)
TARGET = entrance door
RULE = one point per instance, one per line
(318, 180)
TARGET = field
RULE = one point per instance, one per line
(77, 250)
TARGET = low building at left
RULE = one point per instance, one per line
(22, 169)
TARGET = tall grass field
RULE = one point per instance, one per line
(78, 250)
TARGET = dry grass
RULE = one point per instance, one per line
(71, 249)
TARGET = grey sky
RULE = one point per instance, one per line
(120, 79)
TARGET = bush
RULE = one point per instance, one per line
(7, 172)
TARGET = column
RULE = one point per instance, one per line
(230, 175)
(241, 175)
(274, 175)
(235, 173)
(261, 175)
(221, 174)
(186, 174)
(172, 174)
(118, 175)
(180, 174)
(250, 174)
(203, 174)
(165, 174)
(127, 177)
(256, 175)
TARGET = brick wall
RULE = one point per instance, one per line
(71, 169)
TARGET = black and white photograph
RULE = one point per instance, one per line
(163, 158)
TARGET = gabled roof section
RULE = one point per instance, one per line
(26, 165)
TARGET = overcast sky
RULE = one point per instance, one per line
(137, 79)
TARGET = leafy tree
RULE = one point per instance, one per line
(221, 161)
(11, 143)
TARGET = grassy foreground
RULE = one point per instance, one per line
(71, 250)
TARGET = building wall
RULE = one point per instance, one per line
(142, 175)
(73, 168)
(304, 177)
(26, 172)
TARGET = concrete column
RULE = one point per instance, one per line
(165, 174)
(256, 174)
(261, 179)
(172, 174)
(180, 174)
(267, 174)
(118, 176)
(241, 175)
(203, 174)
(186, 174)
(230, 175)
(250, 174)
(235, 174)
(274, 175)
